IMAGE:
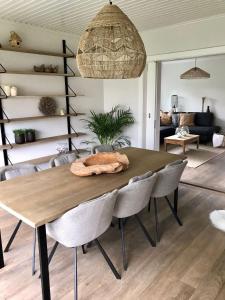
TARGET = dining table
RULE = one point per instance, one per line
(44, 196)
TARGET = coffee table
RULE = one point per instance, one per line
(182, 141)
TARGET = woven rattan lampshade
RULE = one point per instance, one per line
(195, 73)
(111, 47)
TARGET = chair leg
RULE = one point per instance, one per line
(173, 211)
(75, 275)
(176, 200)
(34, 252)
(149, 205)
(83, 249)
(145, 231)
(113, 269)
(12, 236)
(125, 264)
(156, 221)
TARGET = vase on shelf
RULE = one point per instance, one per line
(19, 136)
(208, 109)
(30, 135)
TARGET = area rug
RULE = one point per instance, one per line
(197, 157)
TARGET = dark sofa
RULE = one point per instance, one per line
(204, 126)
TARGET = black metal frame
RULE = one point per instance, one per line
(13, 236)
(43, 258)
(3, 135)
(2, 264)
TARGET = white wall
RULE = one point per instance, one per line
(186, 36)
(124, 92)
(38, 38)
(190, 92)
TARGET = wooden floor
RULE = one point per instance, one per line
(188, 263)
(210, 174)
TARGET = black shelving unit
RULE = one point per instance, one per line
(66, 54)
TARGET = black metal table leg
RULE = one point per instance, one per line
(1, 254)
(43, 257)
(176, 200)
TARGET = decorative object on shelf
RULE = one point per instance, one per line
(104, 162)
(174, 102)
(111, 47)
(62, 112)
(30, 135)
(208, 109)
(13, 91)
(195, 73)
(62, 147)
(109, 126)
(15, 40)
(7, 90)
(19, 136)
(46, 69)
(47, 106)
(203, 103)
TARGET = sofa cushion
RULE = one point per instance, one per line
(202, 130)
(203, 119)
(165, 118)
(187, 119)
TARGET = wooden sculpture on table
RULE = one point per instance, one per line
(104, 162)
(15, 40)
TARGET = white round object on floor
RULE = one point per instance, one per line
(217, 218)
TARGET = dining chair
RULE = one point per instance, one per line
(102, 148)
(83, 224)
(131, 200)
(167, 183)
(62, 159)
(10, 172)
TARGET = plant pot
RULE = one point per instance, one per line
(20, 138)
(30, 136)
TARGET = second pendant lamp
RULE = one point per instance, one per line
(111, 47)
(195, 73)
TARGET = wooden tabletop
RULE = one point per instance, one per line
(40, 198)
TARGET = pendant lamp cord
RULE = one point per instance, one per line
(195, 62)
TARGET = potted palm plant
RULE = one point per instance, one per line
(108, 127)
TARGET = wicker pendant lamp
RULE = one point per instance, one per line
(195, 73)
(111, 47)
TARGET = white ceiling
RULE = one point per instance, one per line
(73, 15)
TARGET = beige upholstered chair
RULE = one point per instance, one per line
(62, 159)
(132, 199)
(83, 224)
(167, 183)
(10, 172)
(102, 148)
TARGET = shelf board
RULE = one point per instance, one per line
(38, 73)
(39, 52)
(43, 140)
(40, 118)
(46, 159)
(39, 96)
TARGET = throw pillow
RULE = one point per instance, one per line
(165, 118)
(187, 119)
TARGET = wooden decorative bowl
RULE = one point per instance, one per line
(104, 162)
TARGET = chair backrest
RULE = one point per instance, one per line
(134, 197)
(168, 179)
(11, 172)
(102, 148)
(140, 177)
(85, 222)
(62, 159)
